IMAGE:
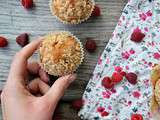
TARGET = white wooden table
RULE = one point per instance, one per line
(14, 20)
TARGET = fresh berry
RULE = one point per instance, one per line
(27, 3)
(3, 42)
(43, 75)
(96, 12)
(132, 78)
(137, 35)
(90, 45)
(136, 117)
(100, 109)
(77, 104)
(117, 77)
(22, 39)
(103, 114)
(107, 83)
(123, 73)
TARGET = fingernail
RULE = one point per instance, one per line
(72, 77)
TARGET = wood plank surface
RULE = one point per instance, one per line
(14, 20)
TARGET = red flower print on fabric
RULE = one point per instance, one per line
(143, 16)
(156, 56)
(136, 94)
(149, 13)
(118, 68)
(125, 55)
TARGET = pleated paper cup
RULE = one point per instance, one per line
(60, 68)
(78, 20)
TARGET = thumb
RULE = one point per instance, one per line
(58, 88)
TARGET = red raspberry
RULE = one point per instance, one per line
(90, 45)
(137, 35)
(136, 117)
(77, 104)
(132, 78)
(103, 114)
(123, 73)
(27, 3)
(117, 77)
(22, 39)
(96, 12)
(100, 109)
(3, 42)
(107, 83)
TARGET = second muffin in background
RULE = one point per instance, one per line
(60, 53)
(72, 11)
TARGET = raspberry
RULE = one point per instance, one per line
(27, 3)
(136, 117)
(117, 77)
(107, 83)
(96, 12)
(3, 42)
(77, 104)
(22, 39)
(132, 78)
(100, 109)
(90, 45)
(103, 114)
(137, 35)
(123, 73)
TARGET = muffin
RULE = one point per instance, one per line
(155, 80)
(157, 92)
(60, 53)
(72, 11)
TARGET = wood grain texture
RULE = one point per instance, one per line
(14, 20)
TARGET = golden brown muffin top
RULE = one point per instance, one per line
(72, 11)
(58, 46)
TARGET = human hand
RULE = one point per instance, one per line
(18, 102)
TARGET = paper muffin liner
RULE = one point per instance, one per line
(76, 67)
(73, 23)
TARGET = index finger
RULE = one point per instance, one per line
(29, 49)
(19, 64)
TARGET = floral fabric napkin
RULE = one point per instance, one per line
(126, 99)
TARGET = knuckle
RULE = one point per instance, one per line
(4, 94)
